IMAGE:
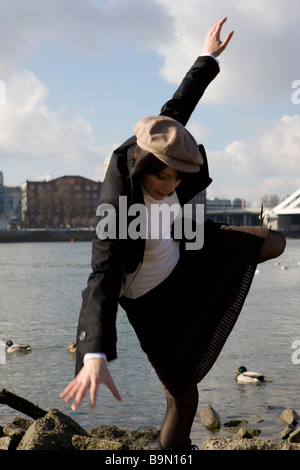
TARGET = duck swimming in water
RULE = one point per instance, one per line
(72, 348)
(245, 376)
(11, 347)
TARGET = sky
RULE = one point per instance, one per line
(75, 76)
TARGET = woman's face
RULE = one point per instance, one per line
(162, 184)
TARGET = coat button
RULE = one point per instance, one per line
(82, 336)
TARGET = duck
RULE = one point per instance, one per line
(72, 348)
(11, 347)
(245, 376)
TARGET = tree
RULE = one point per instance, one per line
(270, 201)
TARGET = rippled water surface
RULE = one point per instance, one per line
(40, 296)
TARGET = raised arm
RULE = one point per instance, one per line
(203, 71)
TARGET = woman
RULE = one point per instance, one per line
(182, 302)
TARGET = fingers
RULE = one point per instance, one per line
(67, 393)
(114, 390)
(75, 390)
(224, 44)
(80, 392)
(216, 28)
(219, 24)
(93, 393)
(89, 378)
(227, 39)
(213, 43)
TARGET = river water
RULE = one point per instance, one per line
(40, 297)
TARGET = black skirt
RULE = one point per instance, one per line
(183, 323)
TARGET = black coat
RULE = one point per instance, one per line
(113, 258)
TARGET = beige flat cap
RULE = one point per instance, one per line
(169, 141)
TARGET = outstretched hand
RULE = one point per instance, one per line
(93, 373)
(213, 44)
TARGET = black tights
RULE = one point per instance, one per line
(179, 417)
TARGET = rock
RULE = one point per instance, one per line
(289, 416)
(209, 418)
(113, 438)
(56, 431)
(287, 431)
(52, 432)
(246, 433)
(253, 432)
(295, 436)
(13, 430)
(235, 422)
(93, 443)
(22, 422)
(242, 434)
(226, 443)
(11, 436)
(6, 443)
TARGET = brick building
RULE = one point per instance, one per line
(68, 201)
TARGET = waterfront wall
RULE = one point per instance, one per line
(12, 236)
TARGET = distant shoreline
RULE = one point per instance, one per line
(63, 235)
(46, 235)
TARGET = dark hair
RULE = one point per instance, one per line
(144, 161)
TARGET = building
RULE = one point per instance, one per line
(216, 204)
(288, 213)
(65, 202)
(10, 205)
(232, 212)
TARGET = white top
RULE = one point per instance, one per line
(161, 251)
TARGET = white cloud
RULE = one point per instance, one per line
(35, 140)
(267, 163)
(199, 131)
(260, 62)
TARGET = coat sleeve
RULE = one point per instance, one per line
(96, 331)
(191, 89)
